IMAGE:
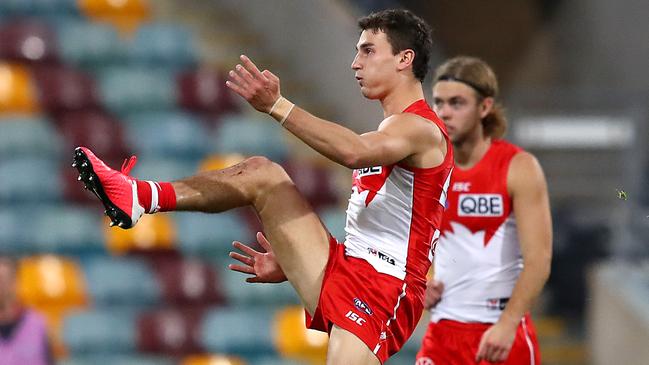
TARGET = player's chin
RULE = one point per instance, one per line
(366, 92)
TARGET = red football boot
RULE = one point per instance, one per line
(116, 190)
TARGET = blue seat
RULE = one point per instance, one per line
(13, 234)
(100, 332)
(160, 169)
(50, 8)
(29, 180)
(66, 230)
(334, 218)
(125, 90)
(241, 134)
(167, 134)
(121, 281)
(201, 234)
(117, 360)
(242, 331)
(163, 44)
(240, 293)
(22, 136)
(87, 44)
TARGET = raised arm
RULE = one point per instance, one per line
(529, 192)
(397, 137)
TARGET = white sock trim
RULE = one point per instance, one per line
(154, 197)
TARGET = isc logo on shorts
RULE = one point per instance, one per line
(367, 171)
(480, 205)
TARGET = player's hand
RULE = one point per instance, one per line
(496, 342)
(434, 290)
(260, 89)
(262, 265)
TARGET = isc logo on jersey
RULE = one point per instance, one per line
(480, 205)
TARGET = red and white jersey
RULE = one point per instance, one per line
(395, 211)
(478, 255)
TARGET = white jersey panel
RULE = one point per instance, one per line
(378, 228)
(478, 278)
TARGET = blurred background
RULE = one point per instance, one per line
(146, 77)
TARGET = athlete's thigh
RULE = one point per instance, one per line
(299, 239)
(345, 348)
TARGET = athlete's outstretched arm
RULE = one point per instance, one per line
(397, 137)
(263, 266)
(529, 192)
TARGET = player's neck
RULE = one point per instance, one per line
(470, 151)
(401, 97)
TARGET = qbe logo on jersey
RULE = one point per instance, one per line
(480, 205)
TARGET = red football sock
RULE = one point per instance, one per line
(156, 196)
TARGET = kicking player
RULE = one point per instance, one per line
(367, 291)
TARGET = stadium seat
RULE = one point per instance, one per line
(314, 181)
(124, 14)
(124, 90)
(64, 229)
(162, 169)
(88, 44)
(28, 137)
(121, 281)
(294, 340)
(334, 218)
(40, 8)
(219, 162)
(12, 233)
(239, 293)
(188, 282)
(152, 233)
(241, 331)
(131, 359)
(17, 92)
(62, 89)
(173, 134)
(210, 234)
(27, 41)
(250, 137)
(100, 332)
(51, 282)
(171, 332)
(162, 44)
(23, 181)
(212, 360)
(204, 90)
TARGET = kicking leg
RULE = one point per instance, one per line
(345, 348)
(300, 241)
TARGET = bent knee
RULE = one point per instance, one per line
(268, 169)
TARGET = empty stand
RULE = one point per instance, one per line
(251, 136)
(123, 282)
(124, 14)
(236, 331)
(172, 332)
(88, 44)
(28, 137)
(162, 44)
(294, 340)
(100, 332)
(17, 93)
(27, 41)
(212, 360)
(131, 89)
(204, 90)
(201, 234)
(152, 233)
(188, 282)
(63, 89)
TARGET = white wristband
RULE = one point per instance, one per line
(281, 109)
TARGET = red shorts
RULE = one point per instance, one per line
(455, 343)
(379, 309)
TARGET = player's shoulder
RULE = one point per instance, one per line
(506, 147)
(411, 123)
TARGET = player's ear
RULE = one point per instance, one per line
(406, 58)
(486, 105)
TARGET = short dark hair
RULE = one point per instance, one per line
(404, 30)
